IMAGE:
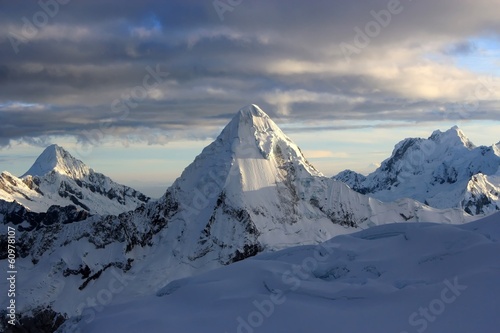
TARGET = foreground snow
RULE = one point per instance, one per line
(408, 277)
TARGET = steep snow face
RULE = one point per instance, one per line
(438, 171)
(249, 191)
(57, 178)
(400, 277)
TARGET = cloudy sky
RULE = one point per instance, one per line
(137, 88)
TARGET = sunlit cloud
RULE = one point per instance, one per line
(317, 154)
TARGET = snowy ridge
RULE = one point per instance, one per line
(444, 171)
(249, 191)
(57, 178)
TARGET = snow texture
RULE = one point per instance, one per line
(411, 277)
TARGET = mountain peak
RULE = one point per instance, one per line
(251, 111)
(55, 158)
(251, 116)
(252, 127)
(453, 136)
(251, 153)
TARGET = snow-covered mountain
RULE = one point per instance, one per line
(249, 191)
(444, 171)
(57, 178)
(411, 277)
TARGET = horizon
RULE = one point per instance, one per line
(147, 85)
(102, 155)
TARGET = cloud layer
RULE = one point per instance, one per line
(151, 70)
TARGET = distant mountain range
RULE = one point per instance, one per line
(57, 178)
(249, 191)
(444, 171)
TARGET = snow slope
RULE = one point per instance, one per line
(57, 178)
(411, 277)
(445, 171)
(249, 191)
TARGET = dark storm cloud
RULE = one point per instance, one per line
(66, 76)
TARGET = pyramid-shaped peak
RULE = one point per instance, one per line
(252, 116)
(453, 136)
(250, 153)
(250, 123)
(55, 158)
